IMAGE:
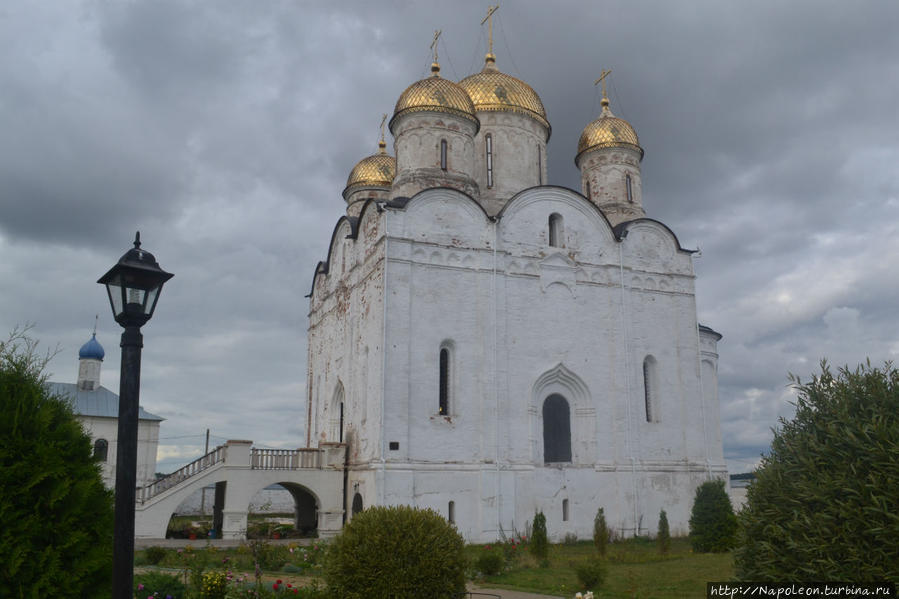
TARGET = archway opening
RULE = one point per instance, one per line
(556, 429)
(357, 504)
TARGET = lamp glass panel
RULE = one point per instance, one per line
(152, 296)
(115, 297)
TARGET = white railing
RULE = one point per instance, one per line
(285, 459)
(197, 466)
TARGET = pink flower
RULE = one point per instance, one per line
(140, 587)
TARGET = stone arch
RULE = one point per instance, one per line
(561, 381)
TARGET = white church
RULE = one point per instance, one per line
(489, 345)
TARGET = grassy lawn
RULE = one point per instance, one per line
(635, 570)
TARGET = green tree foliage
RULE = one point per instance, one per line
(825, 502)
(591, 573)
(398, 551)
(600, 532)
(713, 526)
(55, 514)
(663, 538)
(539, 540)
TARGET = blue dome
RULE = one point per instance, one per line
(91, 350)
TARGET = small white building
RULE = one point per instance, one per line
(488, 345)
(97, 408)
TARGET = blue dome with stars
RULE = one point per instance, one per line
(91, 350)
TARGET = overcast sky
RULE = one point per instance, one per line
(224, 131)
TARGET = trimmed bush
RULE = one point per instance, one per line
(663, 538)
(490, 562)
(591, 573)
(539, 541)
(154, 555)
(600, 532)
(824, 503)
(159, 585)
(713, 526)
(398, 551)
(55, 514)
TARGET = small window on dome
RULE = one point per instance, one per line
(588, 190)
(443, 154)
(539, 165)
(630, 193)
(488, 141)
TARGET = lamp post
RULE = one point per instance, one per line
(133, 285)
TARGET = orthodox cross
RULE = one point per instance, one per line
(383, 120)
(489, 20)
(602, 79)
(434, 43)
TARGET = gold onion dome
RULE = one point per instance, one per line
(608, 131)
(377, 170)
(493, 90)
(434, 94)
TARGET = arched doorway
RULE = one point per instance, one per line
(357, 504)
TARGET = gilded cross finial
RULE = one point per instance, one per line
(382, 144)
(602, 79)
(437, 33)
(489, 20)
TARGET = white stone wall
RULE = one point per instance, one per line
(519, 156)
(522, 320)
(606, 171)
(417, 137)
(147, 443)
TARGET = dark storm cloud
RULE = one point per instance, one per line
(225, 132)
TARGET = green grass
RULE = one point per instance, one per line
(635, 570)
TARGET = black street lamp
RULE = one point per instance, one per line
(133, 286)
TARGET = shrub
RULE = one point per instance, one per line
(397, 552)
(663, 538)
(154, 554)
(600, 532)
(569, 539)
(490, 562)
(214, 585)
(55, 514)
(824, 503)
(159, 585)
(713, 525)
(591, 573)
(539, 541)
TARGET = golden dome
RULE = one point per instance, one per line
(608, 131)
(434, 94)
(376, 170)
(493, 90)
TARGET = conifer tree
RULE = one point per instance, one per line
(55, 514)
(663, 539)
(600, 532)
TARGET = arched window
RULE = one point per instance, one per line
(588, 190)
(336, 416)
(451, 512)
(649, 388)
(443, 402)
(555, 230)
(630, 193)
(101, 450)
(357, 503)
(488, 142)
(443, 154)
(556, 429)
(564, 510)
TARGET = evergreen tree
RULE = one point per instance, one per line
(55, 514)
(539, 540)
(600, 532)
(713, 525)
(663, 539)
(825, 501)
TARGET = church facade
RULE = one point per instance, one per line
(488, 345)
